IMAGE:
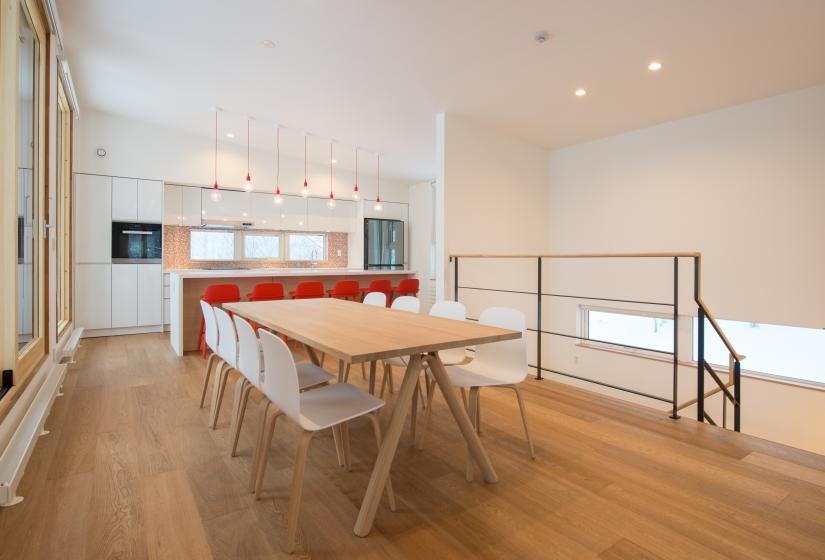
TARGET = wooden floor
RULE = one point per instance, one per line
(130, 470)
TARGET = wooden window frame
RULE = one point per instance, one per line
(63, 212)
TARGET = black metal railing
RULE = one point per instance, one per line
(702, 364)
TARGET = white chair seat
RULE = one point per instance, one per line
(478, 376)
(334, 404)
(310, 375)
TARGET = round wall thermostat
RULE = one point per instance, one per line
(101, 152)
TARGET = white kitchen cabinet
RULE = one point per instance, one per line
(389, 210)
(190, 206)
(294, 213)
(233, 206)
(149, 295)
(345, 217)
(124, 199)
(93, 219)
(93, 296)
(124, 295)
(172, 204)
(149, 201)
(320, 217)
(263, 212)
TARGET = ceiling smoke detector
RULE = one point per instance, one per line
(542, 37)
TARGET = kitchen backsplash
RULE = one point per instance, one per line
(176, 253)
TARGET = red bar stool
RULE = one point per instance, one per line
(308, 290)
(266, 291)
(383, 286)
(407, 287)
(217, 294)
(345, 289)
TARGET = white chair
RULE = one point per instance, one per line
(228, 352)
(378, 299)
(210, 338)
(330, 406)
(498, 364)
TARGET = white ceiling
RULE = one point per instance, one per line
(375, 72)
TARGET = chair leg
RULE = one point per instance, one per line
(263, 456)
(253, 475)
(213, 361)
(427, 413)
(346, 373)
(323, 357)
(337, 438)
(240, 387)
(383, 382)
(218, 389)
(523, 410)
(473, 417)
(297, 489)
(346, 446)
(241, 415)
(464, 399)
(363, 371)
(376, 429)
(201, 341)
(390, 381)
(414, 411)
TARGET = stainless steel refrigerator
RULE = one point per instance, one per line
(383, 244)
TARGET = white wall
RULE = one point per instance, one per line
(139, 149)
(492, 191)
(421, 237)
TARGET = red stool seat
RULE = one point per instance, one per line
(266, 291)
(345, 289)
(383, 286)
(407, 287)
(308, 290)
(217, 294)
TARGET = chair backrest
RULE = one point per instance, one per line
(280, 379)
(407, 303)
(380, 286)
(346, 288)
(210, 327)
(449, 310)
(458, 312)
(249, 351)
(227, 339)
(267, 291)
(408, 286)
(311, 289)
(508, 358)
(378, 299)
(222, 293)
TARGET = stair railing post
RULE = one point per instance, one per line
(700, 367)
(538, 322)
(737, 394)
(674, 412)
(455, 278)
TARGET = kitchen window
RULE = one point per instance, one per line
(205, 245)
(307, 247)
(264, 246)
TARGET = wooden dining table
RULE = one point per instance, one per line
(357, 333)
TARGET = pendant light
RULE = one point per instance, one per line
(215, 195)
(305, 190)
(277, 199)
(355, 194)
(247, 185)
(331, 201)
(378, 178)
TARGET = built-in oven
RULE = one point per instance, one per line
(136, 242)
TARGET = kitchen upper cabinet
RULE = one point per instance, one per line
(172, 204)
(124, 199)
(190, 206)
(294, 213)
(233, 206)
(389, 211)
(263, 212)
(149, 201)
(93, 296)
(124, 295)
(93, 219)
(340, 218)
(149, 295)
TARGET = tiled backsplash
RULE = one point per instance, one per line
(176, 253)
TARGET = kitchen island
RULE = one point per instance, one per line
(187, 286)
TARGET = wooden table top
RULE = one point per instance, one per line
(355, 332)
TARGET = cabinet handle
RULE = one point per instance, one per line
(135, 232)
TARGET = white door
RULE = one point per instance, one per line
(124, 295)
(93, 218)
(149, 201)
(93, 296)
(149, 295)
(124, 199)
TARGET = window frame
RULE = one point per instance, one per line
(207, 230)
(241, 244)
(584, 330)
(325, 253)
(63, 212)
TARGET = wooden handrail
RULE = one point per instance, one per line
(738, 357)
(687, 254)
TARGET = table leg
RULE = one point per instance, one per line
(341, 371)
(313, 356)
(381, 470)
(461, 418)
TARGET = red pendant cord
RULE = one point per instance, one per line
(215, 186)
(305, 161)
(278, 161)
(378, 177)
(330, 171)
(247, 149)
(356, 170)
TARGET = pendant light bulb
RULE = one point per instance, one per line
(215, 195)
(331, 201)
(378, 204)
(355, 194)
(278, 199)
(247, 184)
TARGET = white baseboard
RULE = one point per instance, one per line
(92, 333)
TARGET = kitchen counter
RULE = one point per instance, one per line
(186, 287)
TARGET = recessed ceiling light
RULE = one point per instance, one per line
(654, 66)
(581, 92)
(267, 43)
(230, 135)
